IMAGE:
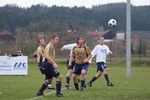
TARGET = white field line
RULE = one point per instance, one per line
(37, 97)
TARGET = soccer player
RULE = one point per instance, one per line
(101, 51)
(82, 54)
(51, 67)
(39, 54)
(69, 68)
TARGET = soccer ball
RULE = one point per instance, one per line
(112, 23)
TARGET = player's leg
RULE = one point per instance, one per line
(75, 81)
(44, 86)
(49, 76)
(95, 77)
(107, 77)
(68, 76)
(50, 86)
(83, 75)
(75, 76)
(83, 78)
(58, 84)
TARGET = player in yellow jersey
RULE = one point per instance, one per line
(50, 67)
(39, 54)
(82, 54)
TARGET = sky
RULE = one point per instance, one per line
(70, 3)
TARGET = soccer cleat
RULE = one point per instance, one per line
(50, 86)
(90, 84)
(59, 95)
(81, 88)
(40, 94)
(68, 86)
(110, 84)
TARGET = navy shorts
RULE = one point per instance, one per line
(50, 71)
(101, 66)
(72, 64)
(80, 67)
(40, 65)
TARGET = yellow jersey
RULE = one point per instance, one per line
(80, 53)
(40, 54)
(49, 51)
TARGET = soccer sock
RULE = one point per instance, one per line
(79, 80)
(44, 86)
(67, 79)
(82, 83)
(106, 78)
(93, 79)
(58, 87)
(76, 86)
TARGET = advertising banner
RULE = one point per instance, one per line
(13, 65)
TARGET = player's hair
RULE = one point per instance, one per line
(79, 38)
(40, 39)
(100, 37)
(53, 36)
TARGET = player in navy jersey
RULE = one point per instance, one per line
(101, 51)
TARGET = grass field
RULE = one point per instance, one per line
(135, 88)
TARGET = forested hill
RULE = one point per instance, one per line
(12, 17)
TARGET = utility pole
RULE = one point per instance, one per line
(128, 39)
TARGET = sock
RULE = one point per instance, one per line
(76, 86)
(79, 80)
(67, 79)
(106, 78)
(93, 79)
(82, 83)
(58, 87)
(44, 86)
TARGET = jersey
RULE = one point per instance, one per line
(100, 51)
(80, 53)
(49, 51)
(40, 54)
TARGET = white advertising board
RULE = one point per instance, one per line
(13, 65)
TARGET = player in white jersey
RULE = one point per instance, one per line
(69, 68)
(101, 51)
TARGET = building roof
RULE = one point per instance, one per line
(6, 36)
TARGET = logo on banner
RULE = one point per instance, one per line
(20, 65)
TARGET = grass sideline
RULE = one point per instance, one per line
(134, 88)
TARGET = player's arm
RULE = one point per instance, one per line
(108, 51)
(35, 54)
(68, 46)
(72, 54)
(89, 55)
(39, 54)
(93, 53)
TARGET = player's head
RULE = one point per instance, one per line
(54, 38)
(81, 40)
(41, 41)
(101, 40)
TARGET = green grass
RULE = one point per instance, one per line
(136, 87)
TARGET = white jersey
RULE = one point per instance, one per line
(100, 51)
(70, 46)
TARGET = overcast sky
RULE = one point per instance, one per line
(69, 3)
